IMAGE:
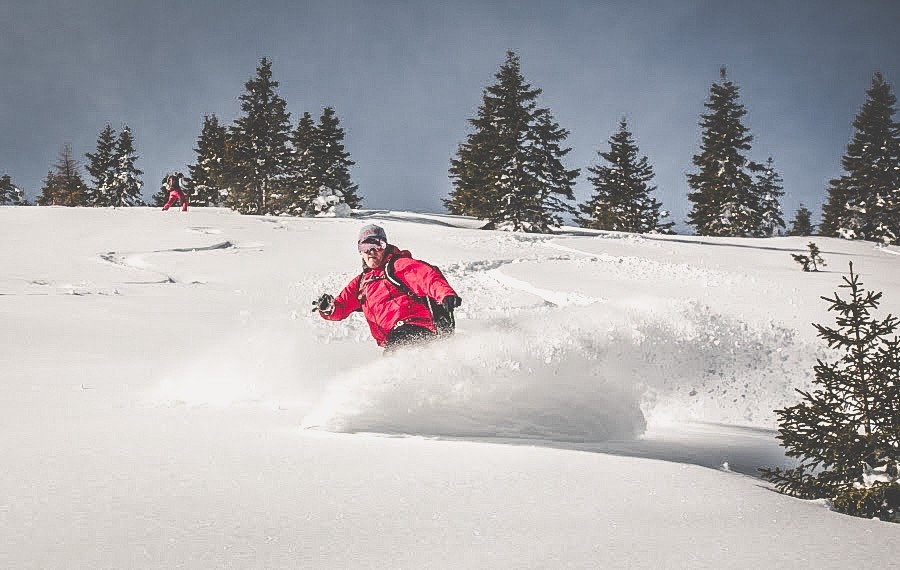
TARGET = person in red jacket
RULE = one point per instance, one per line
(176, 193)
(398, 313)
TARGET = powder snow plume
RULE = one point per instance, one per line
(512, 380)
(585, 375)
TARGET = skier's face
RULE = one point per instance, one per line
(372, 256)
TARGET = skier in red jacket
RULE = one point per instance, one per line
(394, 293)
(173, 185)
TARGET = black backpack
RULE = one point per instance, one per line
(171, 183)
(444, 322)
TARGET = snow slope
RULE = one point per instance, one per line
(170, 400)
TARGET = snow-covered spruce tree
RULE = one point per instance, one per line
(846, 433)
(64, 185)
(769, 189)
(208, 172)
(127, 184)
(257, 150)
(801, 225)
(510, 168)
(337, 192)
(304, 173)
(319, 182)
(10, 194)
(725, 198)
(102, 168)
(622, 200)
(864, 203)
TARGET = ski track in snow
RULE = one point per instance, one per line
(136, 260)
(206, 230)
(556, 298)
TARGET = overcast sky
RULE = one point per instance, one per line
(405, 76)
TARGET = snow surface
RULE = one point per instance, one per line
(169, 400)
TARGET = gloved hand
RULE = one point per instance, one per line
(324, 304)
(450, 302)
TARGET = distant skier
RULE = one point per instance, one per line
(404, 300)
(174, 184)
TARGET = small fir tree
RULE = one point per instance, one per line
(801, 225)
(725, 199)
(769, 190)
(208, 173)
(846, 433)
(811, 261)
(864, 203)
(622, 200)
(102, 167)
(127, 184)
(64, 185)
(257, 150)
(510, 169)
(10, 194)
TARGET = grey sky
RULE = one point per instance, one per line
(404, 77)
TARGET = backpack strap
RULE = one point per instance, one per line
(392, 278)
(434, 309)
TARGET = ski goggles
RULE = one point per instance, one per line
(371, 246)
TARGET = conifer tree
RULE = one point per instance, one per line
(127, 184)
(812, 260)
(208, 172)
(102, 168)
(725, 200)
(50, 192)
(304, 174)
(335, 184)
(769, 190)
(864, 203)
(622, 200)
(801, 225)
(10, 194)
(846, 433)
(510, 169)
(64, 185)
(257, 150)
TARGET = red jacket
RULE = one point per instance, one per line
(384, 305)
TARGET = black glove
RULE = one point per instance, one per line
(325, 304)
(450, 302)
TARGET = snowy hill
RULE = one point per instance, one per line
(170, 400)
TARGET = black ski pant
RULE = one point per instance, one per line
(407, 335)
